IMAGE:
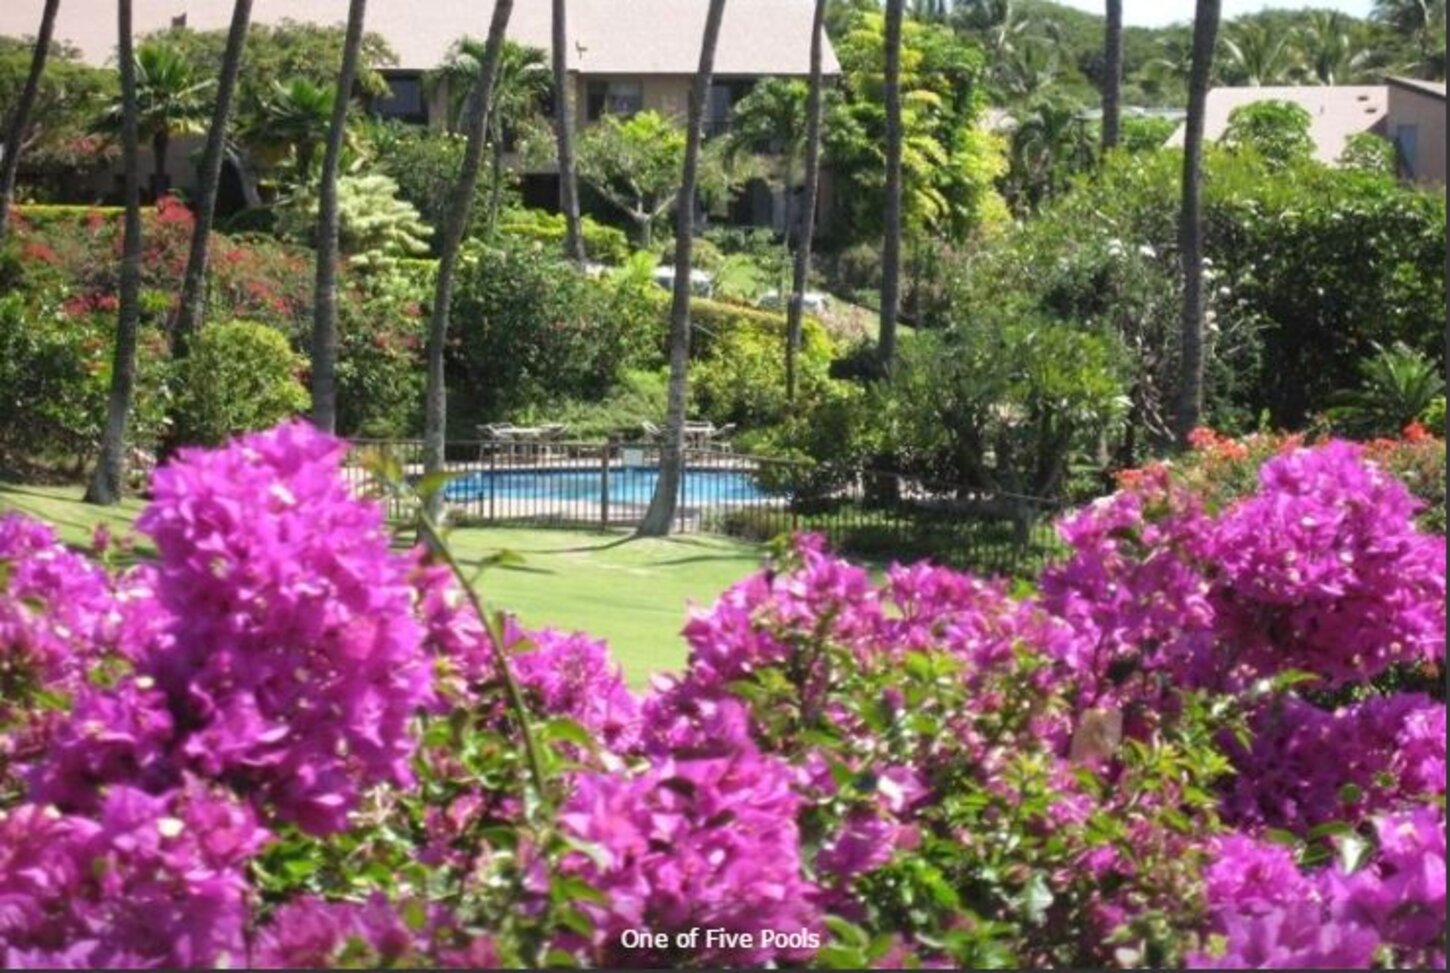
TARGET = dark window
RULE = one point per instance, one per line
(405, 100)
(624, 98)
(1407, 141)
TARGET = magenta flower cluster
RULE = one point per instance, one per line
(1273, 915)
(706, 843)
(835, 750)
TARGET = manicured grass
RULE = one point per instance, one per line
(634, 594)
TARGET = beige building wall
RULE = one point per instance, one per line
(1418, 117)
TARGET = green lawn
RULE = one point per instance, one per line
(634, 594)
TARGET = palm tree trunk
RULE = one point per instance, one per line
(160, 178)
(329, 227)
(193, 287)
(1190, 226)
(108, 482)
(495, 191)
(564, 135)
(891, 243)
(661, 513)
(815, 101)
(436, 397)
(1113, 76)
(15, 136)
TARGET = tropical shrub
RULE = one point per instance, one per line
(1368, 152)
(603, 244)
(1277, 130)
(532, 331)
(1308, 267)
(1002, 411)
(285, 743)
(742, 379)
(1399, 387)
(237, 377)
(375, 225)
(55, 374)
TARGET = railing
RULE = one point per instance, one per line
(609, 486)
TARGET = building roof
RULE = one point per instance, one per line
(1336, 112)
(629, 37)
(1435, 89)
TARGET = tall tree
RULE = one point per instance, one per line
(661, 511)
(329, 225)
(193, 285)
(815, 112)
(564, 136)
(891, 242)
(435, 420)
(15, 135)
(108, 482)
(1190, 223)
(1113, 75)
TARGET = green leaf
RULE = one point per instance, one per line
(561, 730)
(432, 484)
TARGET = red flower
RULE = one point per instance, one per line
(1416, 433)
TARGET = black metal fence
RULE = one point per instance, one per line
(866, 514)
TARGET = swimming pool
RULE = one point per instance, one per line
(627, 484)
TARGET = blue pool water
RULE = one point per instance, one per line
(628, 484)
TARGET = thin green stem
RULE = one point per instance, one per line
(511, 686)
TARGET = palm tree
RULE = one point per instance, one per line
(435, 420)
(1332, 52)
(108, 482)
(661, 511)
(193, 289)
(1113, 75)
(1190, 225)
(891, 243)
(170, 101)
(520, 84)
(1051, 143)
(1419, 21)
(329, 222)
(295, 118)
(564, 136)
(815, 112)
(1257, 53)
(15, 135)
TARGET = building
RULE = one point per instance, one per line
(1409, 113)
(624, 56)
(1415, 122)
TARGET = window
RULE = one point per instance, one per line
(1407, 141)
(613, 98)
(717, 115)
(405, 100)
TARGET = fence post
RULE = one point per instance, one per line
(604, 485)
(684, 468)
(493, 482)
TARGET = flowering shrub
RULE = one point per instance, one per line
(287, 744)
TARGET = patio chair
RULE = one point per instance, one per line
(720, 438)
(652, 432)
(491, 435)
